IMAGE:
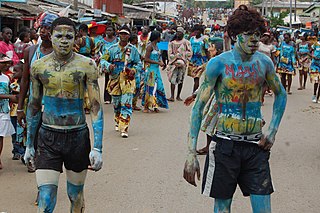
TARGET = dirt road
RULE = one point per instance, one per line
(143, 174)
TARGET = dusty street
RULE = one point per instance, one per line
(143, 174)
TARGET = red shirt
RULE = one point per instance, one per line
(8, 49)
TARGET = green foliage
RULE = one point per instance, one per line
(131, 1)
(274, 21)
(255, 2)
(204, 4)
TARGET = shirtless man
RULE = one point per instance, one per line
(239, 151)
(59, 80)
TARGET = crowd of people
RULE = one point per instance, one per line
(49, 81)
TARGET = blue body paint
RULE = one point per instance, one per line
(260, 203)
(47, 198)
(222, 206)
(97, 127)
(75, 194)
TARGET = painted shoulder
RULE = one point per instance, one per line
(263, 58)
(44, 60)
(84, 61)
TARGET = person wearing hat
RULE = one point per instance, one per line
(31, 54)
(304, 59)
(6, 127)
(122, 62)
(179, 53)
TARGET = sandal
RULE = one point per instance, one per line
(171, 99)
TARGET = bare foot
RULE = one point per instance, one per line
(289, 93)
(300, 88)
(179, 99)
(171, 99)
(203, 151)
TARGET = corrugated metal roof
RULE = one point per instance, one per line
(9, 12)
(23, 8)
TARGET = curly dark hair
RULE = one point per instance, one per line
(245, 19)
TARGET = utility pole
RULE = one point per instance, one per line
(295, 10)
(75, 4)
(290, 14)
(165, 5)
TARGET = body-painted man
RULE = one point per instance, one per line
(60, 79)
(122, 62)
(315, 71)
(239, 152)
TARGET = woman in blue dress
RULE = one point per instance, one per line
(200, 55)
(287, 62)
(154, 95)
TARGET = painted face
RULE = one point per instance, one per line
(7, 35)
(124, 37)
(63, 39)
(249, 42)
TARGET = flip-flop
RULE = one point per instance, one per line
(171, 99)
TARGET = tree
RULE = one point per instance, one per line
(274, 20)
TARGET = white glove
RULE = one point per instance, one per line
(29, 155)
(95, 160)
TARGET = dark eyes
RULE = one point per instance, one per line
(67, 36)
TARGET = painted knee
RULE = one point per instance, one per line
(75, 194)
(260, 203)
(222, 206)
(47, 198)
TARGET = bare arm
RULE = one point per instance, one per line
(147, 56)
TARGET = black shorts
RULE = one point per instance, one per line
(55, 147)
(229, 163)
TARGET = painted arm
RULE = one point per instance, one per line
(96, 114)
(279, 104)
(206, 89)
(33, 114)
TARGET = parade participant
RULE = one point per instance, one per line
(34, 36)
(199, 57)
(64, 135)
(6, 47)
(154, 95)
(304, 59)
(84, 45)
(167, 36)
(122, 62)
(179, 52)
(143, 40)
(6, 128)
(287, 62)
(315, 71)
(110, 39)
(20, 46)
(237, 78)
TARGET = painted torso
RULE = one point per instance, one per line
(239, 92)
(63, 89)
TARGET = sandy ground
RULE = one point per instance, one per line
(143, 174)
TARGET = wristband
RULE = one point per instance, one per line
(98, 150)
(20, 110)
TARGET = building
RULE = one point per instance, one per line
(109, 6)
(237, 3)
(276, 7)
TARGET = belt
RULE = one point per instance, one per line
(253, 138)
(76, 129)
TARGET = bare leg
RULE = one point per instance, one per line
(47, 181)
(173, 87)
(260, 203)
(196, 84)
(300, 78)
(283, 80)
(75, 184)
(179, 91)
(318, 96)
(222, 206)
(305, 78)
(289, 83)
